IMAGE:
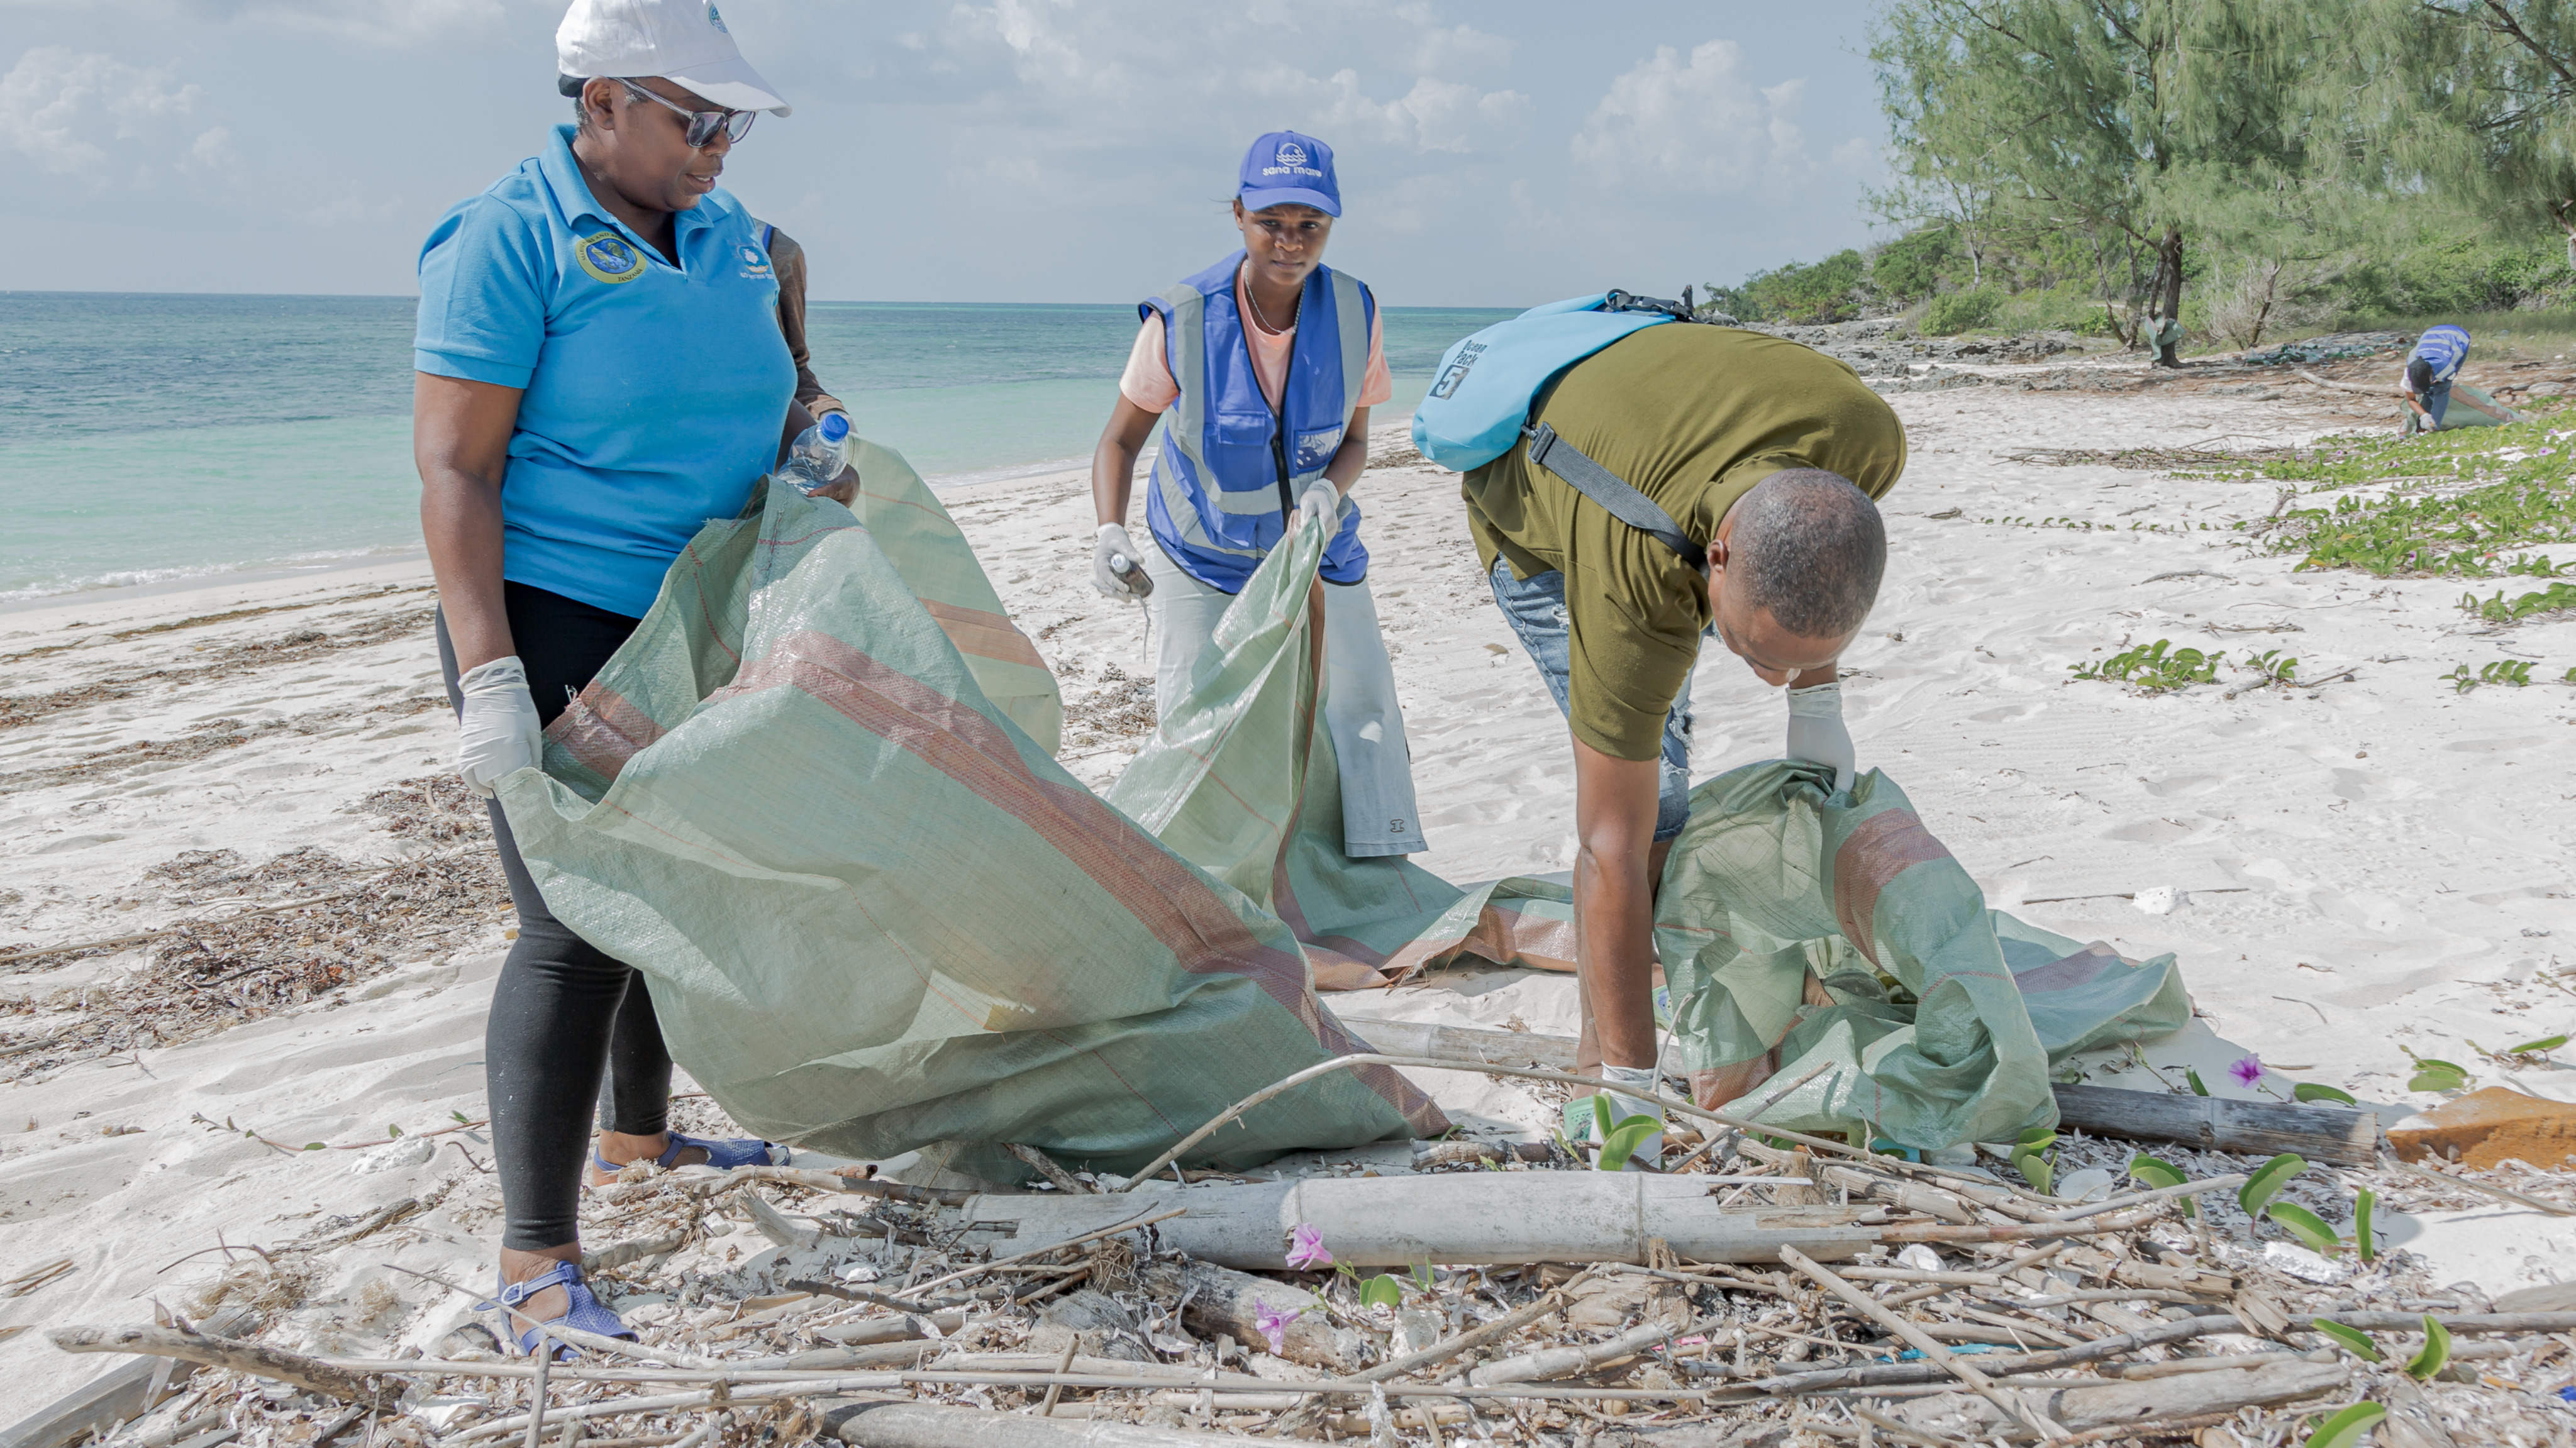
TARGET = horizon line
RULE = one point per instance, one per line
(10, 292)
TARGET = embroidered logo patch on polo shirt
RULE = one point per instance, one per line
(755, 262)
(608, 258)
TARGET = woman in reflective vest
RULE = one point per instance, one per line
(1263, 369)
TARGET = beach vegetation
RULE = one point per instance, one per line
(2261, 171)
(2512, 673)
(2435, 1355)
(2154, 667)
(2556, 598)
(2030, 1157)
(2266, 1182)
(2346, 1428)
(2436, 1075)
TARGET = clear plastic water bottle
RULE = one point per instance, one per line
(818, 455)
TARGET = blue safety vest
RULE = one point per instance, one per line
(1231, 468)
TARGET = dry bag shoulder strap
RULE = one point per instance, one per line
(1612, 492)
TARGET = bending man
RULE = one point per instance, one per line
(2427, 383)
(1766, 455)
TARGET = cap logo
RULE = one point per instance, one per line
(1291, 154)
(608, 258)
(715, 19)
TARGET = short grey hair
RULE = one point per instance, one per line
(1812, 548)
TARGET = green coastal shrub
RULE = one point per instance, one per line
(1954, 312)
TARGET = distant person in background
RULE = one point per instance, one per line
(2430, 382)
(600, 369)
(1265, 367)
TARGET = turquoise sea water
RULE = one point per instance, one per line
(145, 437)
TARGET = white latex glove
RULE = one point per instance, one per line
(1112, 543)
(1623, 1106)
(1321, 500)
(1816, 732)
(497, 733)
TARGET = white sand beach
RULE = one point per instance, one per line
(2371, 864)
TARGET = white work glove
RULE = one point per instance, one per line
(1321, 500)
(1622, 1106)
(497, 733)
(1112, 544)
(1816, 732)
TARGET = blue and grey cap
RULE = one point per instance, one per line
(1285, 167)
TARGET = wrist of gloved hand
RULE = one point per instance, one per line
(1817, 733)
(497, 732)
(1111, 547)
(1322, 500)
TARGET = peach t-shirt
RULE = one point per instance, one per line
(1148, 383)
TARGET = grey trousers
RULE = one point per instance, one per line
(1369, 748)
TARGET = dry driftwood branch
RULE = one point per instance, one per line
(1221, 1300)
(120, 1394)
(1925, 1344)
(618, 1255)
(1489, 1217)
(313, 1375)
(2482, 1188)
(825, 1181)
(1145, 1218)
(1439, 1352)
(926, 1425)
(1047, 1167)
(1461, 1153)
(2337, 1134)
(2332, 386)
(2128, 1406)
(1565, 1362)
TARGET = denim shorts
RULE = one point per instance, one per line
(1535, 606)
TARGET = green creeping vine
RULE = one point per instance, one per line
(2150, 666)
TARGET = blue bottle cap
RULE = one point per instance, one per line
(835, 426)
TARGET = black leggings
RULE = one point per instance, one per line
(563, 1011)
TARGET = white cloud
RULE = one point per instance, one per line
(1859, 154)
(1698, 126)
(214, 149)
(65, 109)
(394, 24)
(1149, 70)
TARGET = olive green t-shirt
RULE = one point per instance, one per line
(1692, 416)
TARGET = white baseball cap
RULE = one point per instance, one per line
(680, 40)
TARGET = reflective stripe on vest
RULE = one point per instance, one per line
(1216, 504)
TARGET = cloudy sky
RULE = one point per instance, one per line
(1494, 153)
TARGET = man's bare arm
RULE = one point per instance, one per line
(1614, 899)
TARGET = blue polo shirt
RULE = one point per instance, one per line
(653, 394)
(2446, 347)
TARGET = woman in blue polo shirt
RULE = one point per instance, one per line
(600, 370)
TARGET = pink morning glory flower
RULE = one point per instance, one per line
(2247, 1071)
(1306, 1248)
(1272, 1324)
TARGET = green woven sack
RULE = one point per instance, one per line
(1798, 930)
(874, 913)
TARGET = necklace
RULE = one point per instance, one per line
(1259, 316)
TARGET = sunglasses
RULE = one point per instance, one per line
(703, 125)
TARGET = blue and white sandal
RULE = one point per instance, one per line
(722, 1155)
(586, 1315)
